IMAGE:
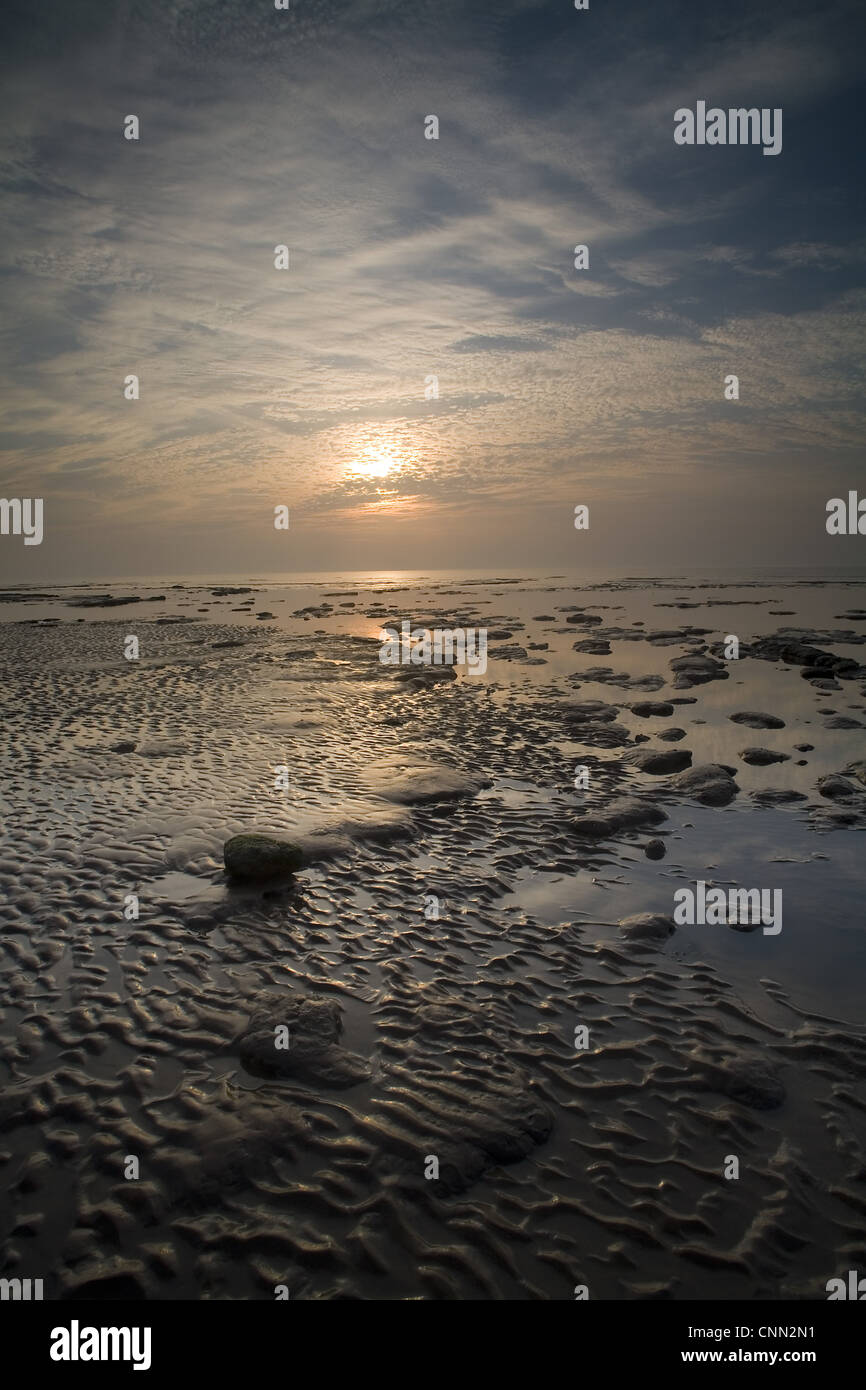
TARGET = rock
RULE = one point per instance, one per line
(694, 669)
(647, 926)
(655, 849)
(509, 653)
(230, 642)
(658, 762)
(101, 601)
(424, 677)
(594, 722)
(593, 646)
(754, 720)
(586, 710)
(711, 784)
(647, 709)
(751, 1082)
(586, 619)
(788, 647)
(804, 747)
(627, 813)
(857, 770)
(762, 757)
(605, 675)
(421, 784)
(313, 1055)
(630, 812)
(500, 634)
(592, 827)
(836, 788)
(261, 857)
(125, 746)
(842, 721)
(777, 796)
(671, 735)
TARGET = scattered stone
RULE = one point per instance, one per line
(509, 653)
(628, 813)
(655, 849)
(777, 796)
(789, 647)
(313, 1055)
(586, 711)
(836, 788)
(754, 720)
(419, 785)
(762, 757)
(694, 669)
(647, 709)
(593, 646)
(712, 784)
(422, 677)
(101, 601)
(647, 926)
(658, 762)
(750, 1081)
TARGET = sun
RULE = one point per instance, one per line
(380, 459)
(376, 465)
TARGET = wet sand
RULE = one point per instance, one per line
(417, 1037)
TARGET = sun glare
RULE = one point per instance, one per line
(380, 459)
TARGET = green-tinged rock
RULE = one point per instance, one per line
(261, 857)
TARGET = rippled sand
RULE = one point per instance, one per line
(418, 1037)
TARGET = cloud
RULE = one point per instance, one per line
(411, 258)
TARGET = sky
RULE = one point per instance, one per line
(412, 259)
